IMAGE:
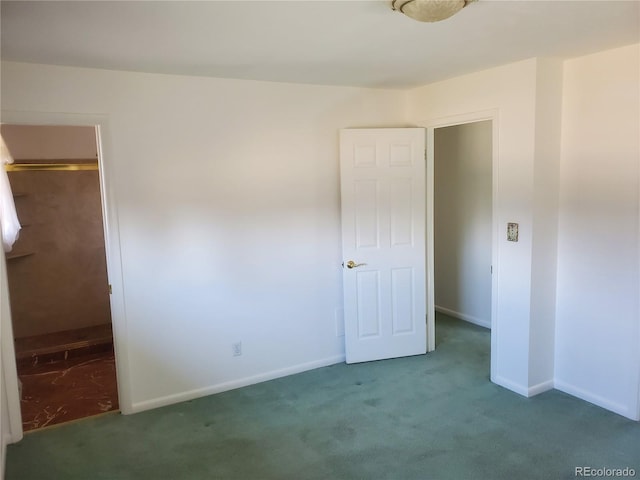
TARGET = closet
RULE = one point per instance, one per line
(57, 275)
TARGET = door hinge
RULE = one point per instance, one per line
(110, 289)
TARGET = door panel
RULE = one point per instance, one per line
(383, 232)
(367, 291)
(367, 213)
(402, 300)
(400, 204)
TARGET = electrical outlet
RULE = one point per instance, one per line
(236, 349)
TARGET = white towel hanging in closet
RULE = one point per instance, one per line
(8, 216)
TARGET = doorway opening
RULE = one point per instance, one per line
(463, 222)
(57, 276)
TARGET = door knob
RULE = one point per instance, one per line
(352, 264)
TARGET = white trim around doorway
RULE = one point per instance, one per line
(106, 167)
(448, 121)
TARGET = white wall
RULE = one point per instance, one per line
(5, 429)
(10, 421)
(463, 221)
(228, 209)
(4, 423)
(545, 221)
(510, 92)
(598, 337)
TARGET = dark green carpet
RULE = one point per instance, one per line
(427, 417)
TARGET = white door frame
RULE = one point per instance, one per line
(106, 169)
(449, 121)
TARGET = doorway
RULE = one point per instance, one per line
(463, 222)
(57, 276)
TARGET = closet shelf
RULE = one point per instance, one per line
(14, 255)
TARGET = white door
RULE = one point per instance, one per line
(383, 242)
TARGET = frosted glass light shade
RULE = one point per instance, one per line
(429, 10)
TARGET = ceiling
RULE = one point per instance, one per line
(359, 43)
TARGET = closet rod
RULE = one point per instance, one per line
(67, 166)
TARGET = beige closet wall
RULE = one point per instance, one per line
(45, 142)
(60, 283)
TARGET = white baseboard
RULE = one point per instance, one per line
(540, 388)
(462, 316)
(509, 385)
(626, 411)
(521, 389)
(242, 382)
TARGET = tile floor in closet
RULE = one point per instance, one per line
(66, 376)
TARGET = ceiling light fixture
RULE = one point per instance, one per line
(429, 10)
